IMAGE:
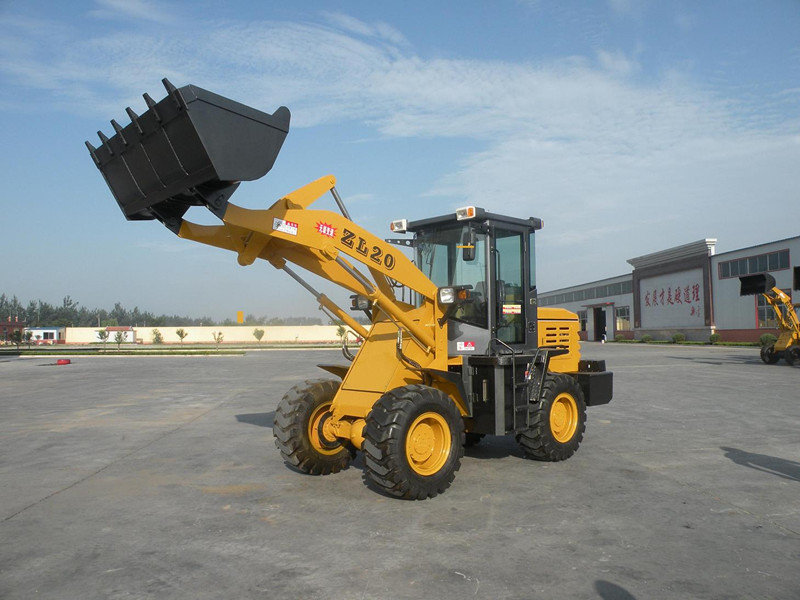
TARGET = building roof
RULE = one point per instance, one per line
(704, 247)
(750, 248)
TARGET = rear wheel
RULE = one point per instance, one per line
(791, 355)
(768, 355)
(298, 421)
(557, 420)
(413, 442)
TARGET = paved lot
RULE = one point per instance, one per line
(151, 477)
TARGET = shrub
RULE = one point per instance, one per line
(678, 338)
(258, 334)
(620, 338)
(647, 338)
(767, 339)
(218, 337)
(157, 337)
(715, 338)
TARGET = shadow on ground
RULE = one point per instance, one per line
(266, 419)
(785, 469)
(611, 591)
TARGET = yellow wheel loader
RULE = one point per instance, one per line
(787, 346)
(455, 348)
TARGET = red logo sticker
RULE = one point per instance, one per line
(326, 230)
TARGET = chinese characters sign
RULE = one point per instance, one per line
(674, 300)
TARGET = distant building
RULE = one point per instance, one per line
(687, 289)
(8, 327)
(47, 335)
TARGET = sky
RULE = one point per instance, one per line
(629, 126)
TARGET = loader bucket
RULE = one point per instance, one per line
(190, 149)
(756, 284)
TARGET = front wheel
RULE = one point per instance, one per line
(557, 420)
(768, 355)
(297, 429)
(413, 442)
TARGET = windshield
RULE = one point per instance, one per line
(441, 256)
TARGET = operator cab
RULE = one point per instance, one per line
(486, 262)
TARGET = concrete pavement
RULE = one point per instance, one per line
(157, 477)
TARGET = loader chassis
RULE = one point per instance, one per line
(456, 348)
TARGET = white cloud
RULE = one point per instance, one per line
(626, 7)
(132, 9)
(377, 30)
(617, 63)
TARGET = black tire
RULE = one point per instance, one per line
(413, 442)
(791, 355)
(557, 421)
(296, 424)
(768, 355)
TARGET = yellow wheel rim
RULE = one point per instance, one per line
(564, 418)
(428, 443)
(313, 430)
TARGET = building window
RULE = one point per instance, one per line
(767, 319)
(623, 315)
(600, 291)
(773, 261)
(49, 335)
(583, 319)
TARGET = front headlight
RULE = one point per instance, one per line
(447, 295)
(358, 302)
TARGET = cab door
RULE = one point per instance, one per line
(512, 286)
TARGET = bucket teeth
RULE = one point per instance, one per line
(118, 129)
(151, 105)
(93, 152)
(174, 93)
(105, 141)
(134, 119)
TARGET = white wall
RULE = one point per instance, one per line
(238, 334)
(674, 300)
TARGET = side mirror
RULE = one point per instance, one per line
(468, 242)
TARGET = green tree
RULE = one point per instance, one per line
(102, 335)
(157, 337)
(181, 333)
(28, 336)
(258, 334)
(16, 337)
(119, 338)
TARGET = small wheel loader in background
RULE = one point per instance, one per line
(456, 349)
(787, 345)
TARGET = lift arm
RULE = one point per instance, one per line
(322, 242)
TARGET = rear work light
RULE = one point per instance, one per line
(399, 226)
(465, 212)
